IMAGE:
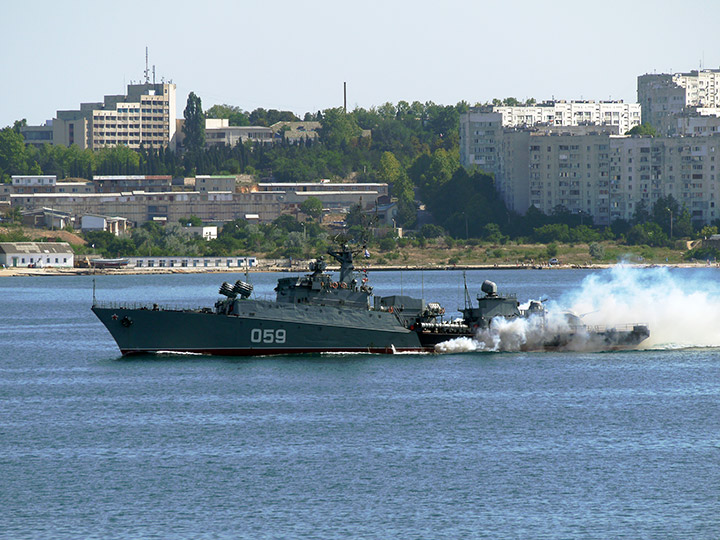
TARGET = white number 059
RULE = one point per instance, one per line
(269, 335)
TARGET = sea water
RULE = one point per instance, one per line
(475, 443)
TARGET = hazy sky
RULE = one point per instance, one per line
(294, 55)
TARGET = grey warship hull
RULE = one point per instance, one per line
(264, 328)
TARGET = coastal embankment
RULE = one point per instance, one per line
(298, 268)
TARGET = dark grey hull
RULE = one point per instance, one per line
(263, 329)
(586, 340)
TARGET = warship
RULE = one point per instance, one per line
(541, 331)
(314, 313)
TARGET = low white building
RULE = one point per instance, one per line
(208, 232)
(94, 222)
(36, 254)
(219, 132)
(193, 262)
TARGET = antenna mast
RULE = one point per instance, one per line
(147, 70)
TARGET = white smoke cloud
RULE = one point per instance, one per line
(681, 310)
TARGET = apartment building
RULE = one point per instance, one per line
(595, 171)
(482, 129)
(647, 168)
(144, 116)
(480, 139)
(569, 171)
(572, 113)
(664, 96)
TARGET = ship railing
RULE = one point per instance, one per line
(629, 327)
(150, 306)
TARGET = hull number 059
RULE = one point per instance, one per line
(269, 335)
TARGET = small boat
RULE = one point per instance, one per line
(108, 263)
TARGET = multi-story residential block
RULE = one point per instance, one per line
(595, 172)
(664, 96)
(647, 168)
(481, 129)
(569, 171)
(480, 139)
(572, 113)
(144, 116)
(699, 121)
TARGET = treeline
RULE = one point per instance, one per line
(284, 237)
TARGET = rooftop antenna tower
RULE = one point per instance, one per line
(153, 73)
(147, 71)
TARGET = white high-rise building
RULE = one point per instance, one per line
(572, 113)
(144, 116)
(664, 96)
(594, 172)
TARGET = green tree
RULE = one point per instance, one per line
(14, 156)
(338, 128)
(191, 221)
(432, 231)
(643, 129)
(667, 211)
(392, 172)
(312, 207)
(431, 172)
(194, 126)
(650, 234)
(641, 214)
(235, 115)
(554, 232)
(597, 251)
(19, 124)
(492, 233)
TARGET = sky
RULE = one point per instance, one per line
(290, 55)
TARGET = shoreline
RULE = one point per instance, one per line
(53, 271)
